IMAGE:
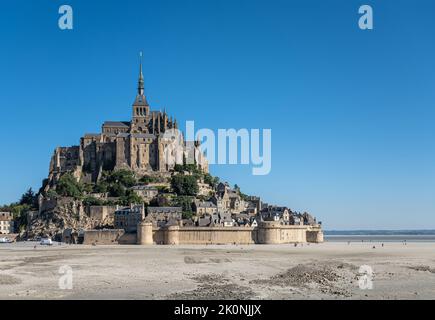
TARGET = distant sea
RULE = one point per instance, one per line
(380, 235)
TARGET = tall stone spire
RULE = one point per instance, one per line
(141, 82)
(140, 106)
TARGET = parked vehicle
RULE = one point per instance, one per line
(5, 240)
(46, 242)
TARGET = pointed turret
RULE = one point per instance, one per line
(141, 100)
(140, 105)
(141, 82)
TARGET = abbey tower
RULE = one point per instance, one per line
(139, 145)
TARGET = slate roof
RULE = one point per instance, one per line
(144, 188)
(205, 204)
(143, 135)
(92, 135)
(164, 209)
(117, 124)
(140, 100)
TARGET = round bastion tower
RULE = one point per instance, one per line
(145, 233)
(269, 232)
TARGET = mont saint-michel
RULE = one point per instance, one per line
(140, 182)
(253, 150)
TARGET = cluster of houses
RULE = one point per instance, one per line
(225, 208)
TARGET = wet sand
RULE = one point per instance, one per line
(317, 271)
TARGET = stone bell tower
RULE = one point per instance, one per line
(141, 109)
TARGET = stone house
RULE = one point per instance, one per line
(228, 200)
(308, 219)
(6, 223)
(274, 213)
(222, 219)
(204, 189)
(164, 214)
(206, 221)
(295, 219)
(254, 201)
(204, 207)
(146, 192)
(102, 213)
(127, 218)
(242, 219)
(251, 209)
(226, 220)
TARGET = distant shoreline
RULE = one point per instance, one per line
(380, 238)
(379, 232)
(380, 235)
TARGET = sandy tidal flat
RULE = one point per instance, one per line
(315, 271)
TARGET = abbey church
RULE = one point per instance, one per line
(148, 144)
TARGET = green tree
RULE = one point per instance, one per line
(92, 201)
(123, 177)
(101, 187)
(185, 202)
(179, 168)
(147, 179)
(68, 186)
(29, 198)
(116, 190)
(185, 185)
(130, 197)
(87, 187)
(52, 194)
(187, 214)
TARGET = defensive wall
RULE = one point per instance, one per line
(265, 233)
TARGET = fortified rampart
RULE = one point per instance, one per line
(265, 233)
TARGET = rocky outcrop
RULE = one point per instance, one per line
(57, 215)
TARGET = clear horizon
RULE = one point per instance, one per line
(351, 111)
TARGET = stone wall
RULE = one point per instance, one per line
(104, 237)
(265, 233)
(102, 213)
(217, 235)
(315, 236)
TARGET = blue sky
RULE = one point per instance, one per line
(352, 112)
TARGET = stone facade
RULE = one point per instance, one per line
(128, 218)
(204, 207)
(228, 200)
(162, 215)
(6, 223)
(265, 233)
(102, 213)
(146, 192)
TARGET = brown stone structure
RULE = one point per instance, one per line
(267, 232)
(149, 143)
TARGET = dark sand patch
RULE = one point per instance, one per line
(422, 268)
(6, 280)
(194, 260)
(331, 279)
(214, 287)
